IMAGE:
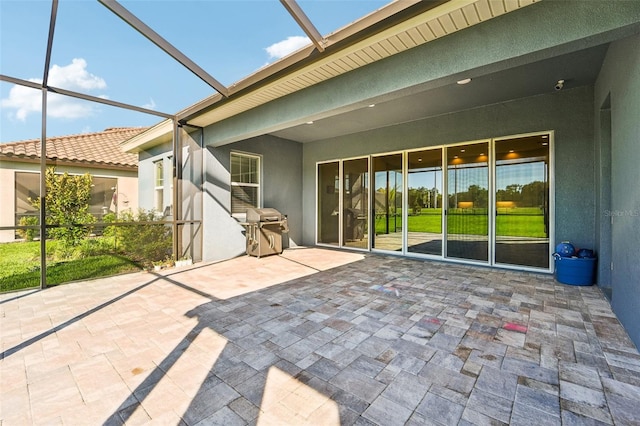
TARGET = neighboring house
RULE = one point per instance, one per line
(114, 172)
(522, 123)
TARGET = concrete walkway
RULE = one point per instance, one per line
(317, 337)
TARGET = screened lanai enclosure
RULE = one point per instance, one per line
(105, 232)
(480, 132)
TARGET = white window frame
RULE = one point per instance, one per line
(158, 194)
(258, 185)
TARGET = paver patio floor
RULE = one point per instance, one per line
(317, 337)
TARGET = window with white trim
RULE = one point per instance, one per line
(169, 209)
(245, 182)
(158, 169)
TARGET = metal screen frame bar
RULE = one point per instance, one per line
(163, 44)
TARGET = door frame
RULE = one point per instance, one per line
(551, 195)
(445, 205)
(445, 191)
(372, 201)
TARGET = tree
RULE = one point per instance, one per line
(67, 205)
(533, 194)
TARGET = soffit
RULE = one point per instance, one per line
(435, 23)
(578, 68)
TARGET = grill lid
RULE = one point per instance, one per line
(263, 215)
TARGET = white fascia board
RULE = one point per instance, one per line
(156, 135)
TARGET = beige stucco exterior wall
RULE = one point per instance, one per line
(7, 202)
(127, 193)
(127, 189)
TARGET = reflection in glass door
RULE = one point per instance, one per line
(468, 202)
(424, 197)
(328, 203)
(522, 201)
(355, 203)
(387, 202)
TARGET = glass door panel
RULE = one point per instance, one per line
(522, 201)
(387, 214)
(424, 215)
(355, 203)
(468, 202)
(328, 203)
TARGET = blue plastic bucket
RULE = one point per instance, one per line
(575, 270)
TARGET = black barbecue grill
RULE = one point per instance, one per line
(264, 231)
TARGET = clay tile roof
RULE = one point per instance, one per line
(100, 148)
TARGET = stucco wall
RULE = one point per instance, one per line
(127, 193)
(127, 182)
(146, 173)
(568, 113)
(619, 80)
(7, 201)
(282, 186)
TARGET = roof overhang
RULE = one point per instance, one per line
(397, 27)
(28, 159)
(375, 37)
(156, 135)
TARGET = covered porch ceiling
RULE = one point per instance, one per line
(577, 69)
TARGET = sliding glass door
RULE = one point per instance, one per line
(424, 197)
(387, 202)
(522, 201)
(485, 202)
(355, 203)
(328, 203)
(468, 201)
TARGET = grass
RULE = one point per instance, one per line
(20, 266)
(16, 258)
(514, 222)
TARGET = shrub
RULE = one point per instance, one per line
(28, 234)
(139, 238)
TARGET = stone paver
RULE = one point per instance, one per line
(317, 337)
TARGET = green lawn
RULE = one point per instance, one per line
(425, 222)
(517, 222)
(20, 267)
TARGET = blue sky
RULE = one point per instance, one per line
(94, 52)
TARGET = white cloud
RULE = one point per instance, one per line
(75, 77)
(150, 105)
(59, 106)
(24, 101)
(283, 48)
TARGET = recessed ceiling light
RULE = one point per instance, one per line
(372, 105)
(462, 150)
(510, 150)
(309, 122)
(464, 81)
(481, 154)
(455, 156)
(419, 159)
(545, 143)
(545, 136)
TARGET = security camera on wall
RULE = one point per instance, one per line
(559, 85)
